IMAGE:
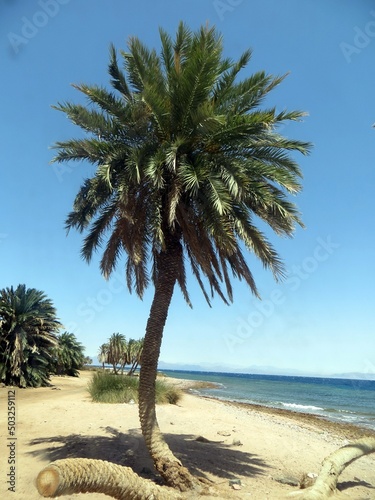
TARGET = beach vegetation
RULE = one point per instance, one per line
(107, 387)
(116, 350)
(87, 363)
(28, 336)
(188, 161)
(167, 393)
(68, 356)
(120, 353)
(133, 354)
(103, 355)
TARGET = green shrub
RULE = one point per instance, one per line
(167, 393)
(106, 387)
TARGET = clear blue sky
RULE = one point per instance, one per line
(320, 320)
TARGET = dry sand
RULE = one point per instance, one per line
(253, 444)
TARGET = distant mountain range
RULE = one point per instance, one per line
(256, 370)
(260, 370)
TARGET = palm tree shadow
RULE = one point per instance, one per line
(352, 484)
(128, 449)
(214, 457)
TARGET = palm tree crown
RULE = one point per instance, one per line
(185, 158)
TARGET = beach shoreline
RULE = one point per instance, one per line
(342, 429)
(338, 400)
(259, 446)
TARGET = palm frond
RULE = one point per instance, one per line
(118, 80)
(90, 120)
(105, 100)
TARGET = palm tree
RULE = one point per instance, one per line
(116, 350)
(103, 354)
(28, 327)
(133, 354)
(87, 360)
(68, 355)
(186, 162)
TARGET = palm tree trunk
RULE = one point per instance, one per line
(165, 462)
(133, 368)
(83, 475)
(333, 466)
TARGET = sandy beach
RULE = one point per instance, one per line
(258, 446)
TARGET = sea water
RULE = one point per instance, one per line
(343, 400)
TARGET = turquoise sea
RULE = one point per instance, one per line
(344, 400)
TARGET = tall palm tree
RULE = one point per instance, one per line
(28, 327)
(186, 162)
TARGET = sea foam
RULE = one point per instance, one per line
(301, 407)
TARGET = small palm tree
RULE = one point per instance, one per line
(68, 355)
(103, 354)
(117, 350)
(187, 162)
(133, 354)
(87, 360)
(28, 327)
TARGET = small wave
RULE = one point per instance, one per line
(301, 407)
(338, 410)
